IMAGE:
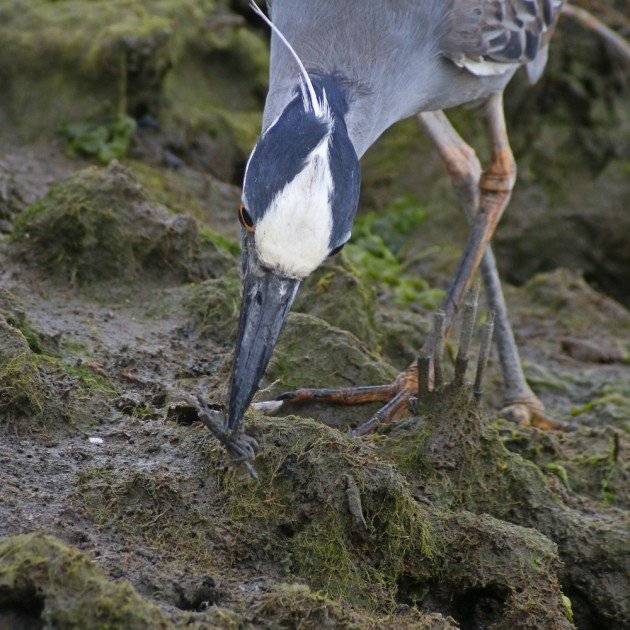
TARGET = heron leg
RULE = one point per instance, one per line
(489, 192)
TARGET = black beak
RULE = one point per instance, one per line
(267, 299)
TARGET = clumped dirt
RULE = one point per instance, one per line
(119, 294)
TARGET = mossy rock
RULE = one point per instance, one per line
(12, 342)
(100, 225)
(555, 312)
(574, 303)
(83, 56)
(12, 318)
(187, 191)
(331, 514)
(336, 294)
(402, 334)
(148, 506)
(456, 460)
(311, 351)
(589, 232)
(214, 307)
(193, 65)
(38, 391)
(214, 96)
(588, 462)
(43, 582)
(296, 605)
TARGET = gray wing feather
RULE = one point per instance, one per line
(489, 33)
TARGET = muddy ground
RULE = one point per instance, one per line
(124, 127)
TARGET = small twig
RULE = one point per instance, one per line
(484, 354)
(354, 501)
(590, 22)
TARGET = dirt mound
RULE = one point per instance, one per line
(100, 225)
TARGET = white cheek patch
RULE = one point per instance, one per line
(293, 237)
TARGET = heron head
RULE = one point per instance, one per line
(300, 196)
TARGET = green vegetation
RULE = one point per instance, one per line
(106, 139)
(457, 461)
(39, 392)
(378, 252)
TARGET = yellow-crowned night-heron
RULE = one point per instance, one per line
(341, 73)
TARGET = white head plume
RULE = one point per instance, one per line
(320, 109)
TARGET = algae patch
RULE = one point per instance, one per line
(346, 521)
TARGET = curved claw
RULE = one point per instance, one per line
(242, 448)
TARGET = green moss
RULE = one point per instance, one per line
(38, 572)
(99, 224)
(401, 333)
(331, 512)
(232, 247)
(290, 605)
(489, 476)
(85, 55)
(457, 461)
(13, 320)
(91, 379)
(561, 472)
(12, 342)
(215, 96)
(588, 461)
(150, 507)
(32, 337)
(192, 64)
(329, 547)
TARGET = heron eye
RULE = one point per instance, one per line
(337, 250)
(245, 218)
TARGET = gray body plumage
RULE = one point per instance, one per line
(395, 58)
(368, 64)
